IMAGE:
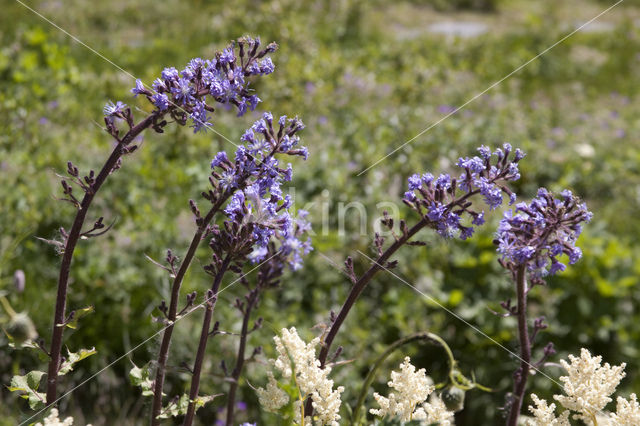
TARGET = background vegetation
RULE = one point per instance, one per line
(365, 77)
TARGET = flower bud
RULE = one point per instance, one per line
(453, 398)
(21, 328)
(19, 280)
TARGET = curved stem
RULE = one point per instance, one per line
(163, 354)
(359, 286)
(434, 338)
(70, 245)
(357, 289)
(7, 307)
(522, 373)
(210, 305)
(237, 370)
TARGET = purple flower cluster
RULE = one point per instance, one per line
(437, 199)
(256, 178)
(224, 78)
(537, 233)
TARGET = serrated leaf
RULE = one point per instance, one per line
(142, 377)
(82, 312)
(201, 401)
(29, 384)
(175, 409)
(73, 358)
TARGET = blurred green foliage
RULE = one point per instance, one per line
(365, 77)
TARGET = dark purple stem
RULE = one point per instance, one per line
(210, 305)
(70, 245)
(237, 370)
(359, 286)
(522, 374)
(163, 355)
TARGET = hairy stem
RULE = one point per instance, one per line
(70, 245)
(163, 355)
(237, 370)
(210, 305)
(522, 374)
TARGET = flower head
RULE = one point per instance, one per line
(297, 359)
(113, 110)
(255, 180)
(408, 400)
(544, 414)
(627, 412)
(53, 420)
(437, 198)
(202, 81)
(537, 233)
(588, 385)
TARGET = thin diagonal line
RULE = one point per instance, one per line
(330, 261)
(490, 87)
(461, 319)
(76, 39)
(144, 342)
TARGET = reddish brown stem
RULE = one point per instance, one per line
(210, 306)
(163, 355)
(237, 370)
(70, 245)
(361, 283)
(357, 289)
(525, 348)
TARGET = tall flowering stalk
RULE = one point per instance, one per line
(225, 79)
(290, 251)
(530, 240)
(444, 204)
(258, 218)
(185, 96)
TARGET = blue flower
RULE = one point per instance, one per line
(478, 219)
(541, 231)
(169, 75)
(139, 89)
(183, 91)
(227, 56)
(159, 86)
(437, 199)
(474, 164)
(160, 100)
(415, 182)
(111, 109)
(236, 205)
(410, 196)
(485, 152)
(219, 159)
(266, 66)
(199, 117)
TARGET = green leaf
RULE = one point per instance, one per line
(201, 401)
(142, 377)
(29, 384)
(74, 357)
(175, 409)
(82, 312)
